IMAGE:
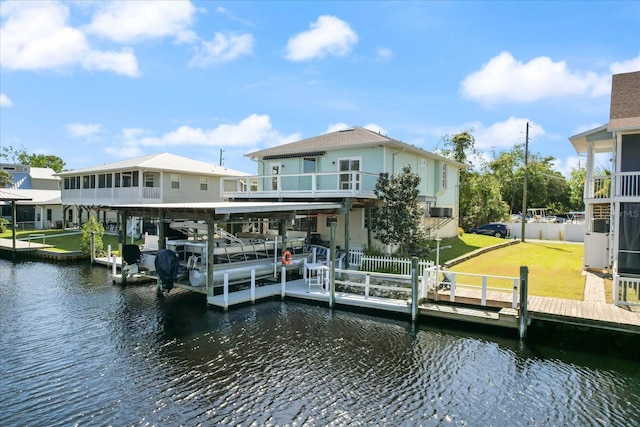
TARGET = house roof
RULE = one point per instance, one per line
(625, 102)
(43, 173)
(355, 137)
(12, 196)
(32, 197)
(165, 162)
(600, 138)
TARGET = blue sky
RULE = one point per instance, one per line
(96, 82)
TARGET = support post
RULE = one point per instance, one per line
(414, 289)
(524, 284)
(283, 281)
(524, 190)
(210, 256)
(225, 292)
(92, 248)
(253, 285)
(347, 227)
(332, 256)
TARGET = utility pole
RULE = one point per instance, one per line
(524, 190)
(221, 151)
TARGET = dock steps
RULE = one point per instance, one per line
(505, 317)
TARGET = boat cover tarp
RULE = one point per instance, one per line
(131, 254)
(167, 264)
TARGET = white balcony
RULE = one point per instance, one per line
(301, 186)
(111, 196)
(626, 188)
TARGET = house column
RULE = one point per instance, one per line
(347, 216)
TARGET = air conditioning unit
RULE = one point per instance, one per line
(441, 212)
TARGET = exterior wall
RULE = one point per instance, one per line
(189, 190)
(45, 184)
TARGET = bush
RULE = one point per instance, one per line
(3, 225)
(85, 237)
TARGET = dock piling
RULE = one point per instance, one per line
(414, 289)
(524, 284)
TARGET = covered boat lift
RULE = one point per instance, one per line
(217, 212)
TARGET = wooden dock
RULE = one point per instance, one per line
(466, 307)
(21, 245)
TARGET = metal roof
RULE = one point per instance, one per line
(12, 197)
(231, 208)
(159, 162)
(33, 197)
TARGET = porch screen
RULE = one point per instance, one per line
(629, 241)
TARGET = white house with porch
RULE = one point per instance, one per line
(612, 193)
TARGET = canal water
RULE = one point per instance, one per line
(77, 350)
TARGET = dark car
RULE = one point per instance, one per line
(497, 229)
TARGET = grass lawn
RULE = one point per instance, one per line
(457, 246)
(64, 240)
(555, 270)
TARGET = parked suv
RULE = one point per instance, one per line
(497, 229)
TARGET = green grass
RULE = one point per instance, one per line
(64, 240)
(457, 246)
(555, 270)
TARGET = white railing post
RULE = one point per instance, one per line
(452, 295)
(253, 285)
(283, 281)
(484, 291)
(616, 284)
(514, 300)
(225, 290)
(108, 256)
(367, 280)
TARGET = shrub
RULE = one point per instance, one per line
(85, 237)
(3, 224)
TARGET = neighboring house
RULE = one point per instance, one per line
(344, 166)
(159, 178)
(612, 196)
(42, 187)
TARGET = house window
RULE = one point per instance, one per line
(443, 176)
(148, 180)
(117, 175)
(105, 180)
(309, 165)
(72, 183)
(204, 183)
(89, 181)
(331, 220)
(351, 179)
(175, 181)
(274, 171)
(49, 215)
(130, 179)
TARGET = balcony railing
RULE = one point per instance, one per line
(99, 196)
(627, 186)
(302, 185)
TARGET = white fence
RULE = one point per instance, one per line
(626, 290)
(400, 266)
(568, 232)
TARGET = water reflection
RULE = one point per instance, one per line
(76, 349)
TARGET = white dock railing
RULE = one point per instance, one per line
(626, 290)
(442, 279)
(401, 266)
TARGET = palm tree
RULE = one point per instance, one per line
(6, 179)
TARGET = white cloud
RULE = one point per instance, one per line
(627, 66)
(505, 134)
(5, 101)
(384, 54)
(336, 127)
(375, 128)
(223, 48)
(83, 130)
(504, 79)
(327, 36)
(254, 131)
(130, 21)
(36, 36)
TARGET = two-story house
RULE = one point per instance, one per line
(154, 179)
(344, 166)
(41, 187)
(612, 187)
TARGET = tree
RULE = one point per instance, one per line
(21, 156)
(89, 227)
(398, 221)
(6, 180)
(577, 178)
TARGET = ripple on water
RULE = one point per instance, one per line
(77, 350)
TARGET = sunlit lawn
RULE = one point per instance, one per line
(555, 270)
(63, 240)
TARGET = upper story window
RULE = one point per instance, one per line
(72, 183)
(148, 179)
(204, 183)
(443, 176)
(175, 181)
(89, 181)
(129, 179)
(105, 180)
(351, 180)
